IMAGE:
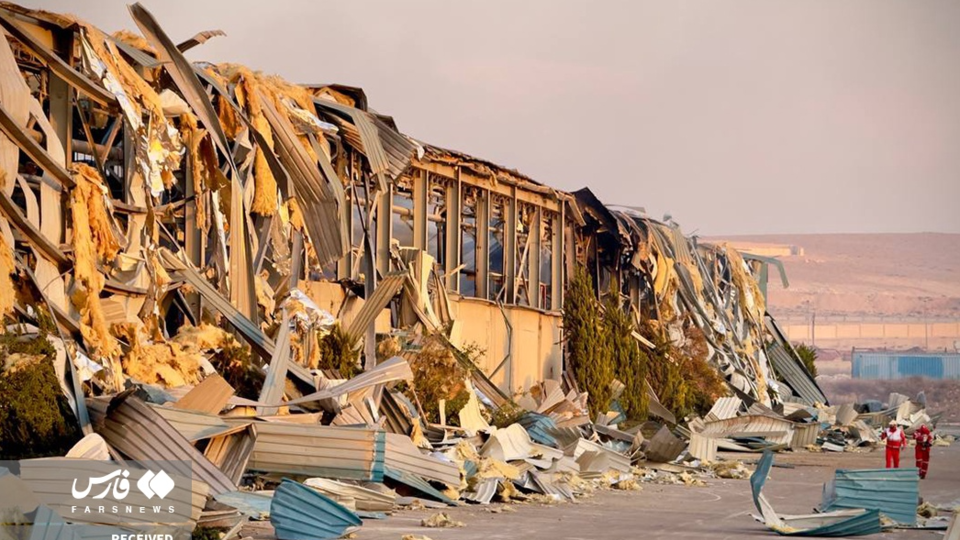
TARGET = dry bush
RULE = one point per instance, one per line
(236, 365)
(437, 375)
(340, 352)
(704, 382)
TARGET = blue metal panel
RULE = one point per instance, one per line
(538, 426)
(894, 492)
(301, 513)
(379, 456)
(920, 366)
(894, 365)
(858, 525)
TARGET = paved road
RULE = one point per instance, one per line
(720, 510)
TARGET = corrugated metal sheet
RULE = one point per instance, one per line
(774, 430)
(47, 480)
(254, 505)
(313, 450)
(417, 483)
(892, 365)
(789, 369)
(231, 451)
(396, 419)
(723, 408)
(387, 151)
(48, 525)
(394, 369)
(846, 414)
(91, 446)
(300, 513)
(834, 524)
(894, 492)
(318, 190)
(804, 435)
(664, 446)
(274, 383)
(136, 430)
(482, 492)
(403, 455)
(366, 500)
(865, 432)
(597, 458)
(508, 444)
(191, 424)
(386, 289)
(259, 341)
(702, 448)
(210, 396)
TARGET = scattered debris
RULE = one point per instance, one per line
(855, 522)
(440, 520)
(266, 279)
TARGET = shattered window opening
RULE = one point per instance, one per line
(525, 215)
(468, 242)
(546, 260)
(437, 220)
(495, 277)
(358, 204)
(402, 214)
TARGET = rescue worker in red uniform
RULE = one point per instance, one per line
(896, 440)
(924, 442)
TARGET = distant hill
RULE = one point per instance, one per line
(911, 276)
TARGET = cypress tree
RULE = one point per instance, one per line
(630, 363)
(587, 342)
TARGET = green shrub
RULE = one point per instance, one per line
(809, 356)
(35, 417)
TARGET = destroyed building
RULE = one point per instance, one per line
(144, 194)
(269, 285)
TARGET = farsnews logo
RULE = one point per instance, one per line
(117, 483)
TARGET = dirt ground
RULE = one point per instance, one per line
(721, 510)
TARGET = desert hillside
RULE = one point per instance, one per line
(909, 276)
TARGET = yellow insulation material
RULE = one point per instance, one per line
(93, 240)
(7, 268)
(168, 364)
(750, 294)
(205, 336)
(296, 215)
(158, 147)
(134, 40)
(248, 91)
(172, 363)
(192, 135)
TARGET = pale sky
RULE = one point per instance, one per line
(736, 117)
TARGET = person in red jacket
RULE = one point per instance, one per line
(924, 442)
(896, 440)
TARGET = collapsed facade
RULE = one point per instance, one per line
(145, 196)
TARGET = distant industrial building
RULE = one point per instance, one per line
(764, 249)
(869, 364)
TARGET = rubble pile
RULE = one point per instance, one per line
(324, 320)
